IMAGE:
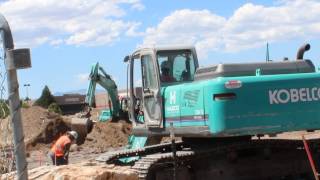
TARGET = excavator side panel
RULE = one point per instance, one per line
(264, 104)
(184, 105)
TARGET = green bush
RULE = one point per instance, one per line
(4, 109)
(45, 99)
(24, 104)
(54, 107)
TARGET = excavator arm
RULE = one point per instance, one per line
(83, 124)
(99, 76)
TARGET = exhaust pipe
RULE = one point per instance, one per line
(301, 51)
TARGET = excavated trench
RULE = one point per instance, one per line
(106, 134)
(47, 135)
(50, 133)
(42, 129)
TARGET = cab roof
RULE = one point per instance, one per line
(163, 48)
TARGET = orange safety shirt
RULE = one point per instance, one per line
(58, 147)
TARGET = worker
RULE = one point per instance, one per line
(59, 152)
(165, 72)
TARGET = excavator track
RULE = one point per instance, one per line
(281, 159)
(263, 159)
(144, 165)
(113, 157)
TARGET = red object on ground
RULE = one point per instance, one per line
(306, 147)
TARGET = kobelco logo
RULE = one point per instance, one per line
(282, 96)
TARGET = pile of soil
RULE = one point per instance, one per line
(108, 134)
(36, 124)
(105, 136)
(42, 128)
(5, 133)
(34, 120)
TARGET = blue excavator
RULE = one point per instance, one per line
(99, 76)
(214, 116)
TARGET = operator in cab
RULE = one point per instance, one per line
(165, 72)
(59, 153)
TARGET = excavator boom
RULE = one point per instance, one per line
(99, 76)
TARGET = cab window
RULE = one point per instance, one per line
(176, 66)
(148, 73)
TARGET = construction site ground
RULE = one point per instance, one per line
(42, 128)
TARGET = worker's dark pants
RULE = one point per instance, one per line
(58, 160)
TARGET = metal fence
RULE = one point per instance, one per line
(7, 161)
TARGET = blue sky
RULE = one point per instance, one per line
(66, 38)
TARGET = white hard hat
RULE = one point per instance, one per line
(74, 134)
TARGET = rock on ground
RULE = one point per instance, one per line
(82, 171)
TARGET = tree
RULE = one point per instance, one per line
(46, 98)
(24, 104)
(54, 107)
(4, 109)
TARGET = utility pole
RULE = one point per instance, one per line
(15, 59)
(267, 53)
(27, 85)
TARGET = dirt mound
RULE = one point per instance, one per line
(42, 128)
(39, 126)
(108, 134)
(34, 119)
(88, 170)
(105, 135)
(5, 133)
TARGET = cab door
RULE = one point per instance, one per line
(152, 101)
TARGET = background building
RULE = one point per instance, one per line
(103, 101)
(71, 103)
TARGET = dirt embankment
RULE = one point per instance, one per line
(108, 134)
(39, 126)
(42, 128)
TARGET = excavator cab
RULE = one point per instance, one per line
(159, 68)
(176, 66)
(150, 102)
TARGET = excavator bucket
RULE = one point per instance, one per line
(83, 126)
(105, 115)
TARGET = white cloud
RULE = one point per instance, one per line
(138, 6)
(82, 78)
(132, 31)
(184, 26)
(249, 26)
(79, 22)
(56, 42)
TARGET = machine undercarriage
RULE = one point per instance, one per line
(223, 159)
